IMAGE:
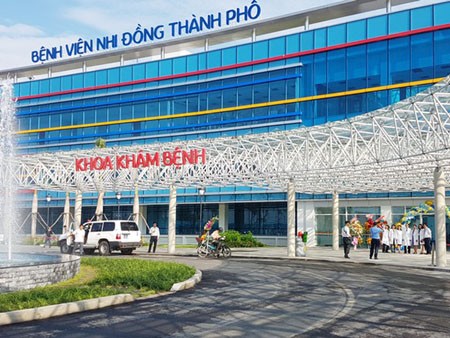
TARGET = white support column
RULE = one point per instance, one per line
(206, 45)
(66, 216)
(99, 209)
(163, 53)
(335, 221)
(254, 35)
(78, 206)
(388, 6)
(34, 213)
(291, 219)
(223, 216)
(136, 205)
(439, 217)
(307, 23)
(172, 219)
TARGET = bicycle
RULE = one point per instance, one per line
(207, 248)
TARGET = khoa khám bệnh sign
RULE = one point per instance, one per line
(178, 157)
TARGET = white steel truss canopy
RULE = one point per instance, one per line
(395, 148)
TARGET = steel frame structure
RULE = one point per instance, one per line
(391, 149)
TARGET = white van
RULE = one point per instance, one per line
(107, 236)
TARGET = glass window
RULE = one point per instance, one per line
(165, 67)
(229, 56)
(260, 50)
(139, 72)
(244, 53)
(192, 105)
(108, 226)
(320, 38)
(441, 13)
(214, 59)
(292, 43)
(356, 67)
(377, 100)
(277, 47)
(277, 90)
(307, 41)
(422, 62)
(126, 74)
(336, 71)
(377, 64)
(399, 60)
(261, 93)
(421, 17)
(244, 96)
(230, 97)
(356, 104)
(151, 69)
(192, 61)
(179, 106)
(441, 53)
(214, 100)
(399, 22)
(376, 26)
(77, 81)
(101, 77)
(179, 65)
(356, 30)
(336, 35)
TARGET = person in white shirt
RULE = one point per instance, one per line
(421, 235)
(415, 238)
(392, 238)
(154, 236)
(427, 238)
(406, 235)
(398, 239)
(385, 241)
(346, 238)
(79, 235)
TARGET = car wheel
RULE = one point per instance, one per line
(104, 249)
(63, 247)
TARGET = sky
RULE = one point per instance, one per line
(26, 25)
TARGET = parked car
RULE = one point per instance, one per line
(106, 236)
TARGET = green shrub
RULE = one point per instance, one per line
(235, 239)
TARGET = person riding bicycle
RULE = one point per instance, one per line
(216, 239)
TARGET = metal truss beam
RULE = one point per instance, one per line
(391, 149)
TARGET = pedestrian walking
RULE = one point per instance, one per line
(427, 238)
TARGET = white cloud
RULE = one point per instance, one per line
(19, 30)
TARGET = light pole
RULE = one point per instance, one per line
(118, 196)
(48, 199)
(201, 193)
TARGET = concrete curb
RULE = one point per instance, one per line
(187, 284)
(49, 311)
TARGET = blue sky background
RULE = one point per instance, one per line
(26, 25)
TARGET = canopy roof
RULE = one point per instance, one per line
(395, 148)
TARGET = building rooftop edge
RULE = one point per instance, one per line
(315, 15)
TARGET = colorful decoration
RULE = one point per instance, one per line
(423, 208)
(210, 223)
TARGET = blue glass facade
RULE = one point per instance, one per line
(285, 82)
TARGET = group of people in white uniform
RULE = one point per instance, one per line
(396, 238)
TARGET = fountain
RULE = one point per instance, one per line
(21, 270)
(7, 123)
